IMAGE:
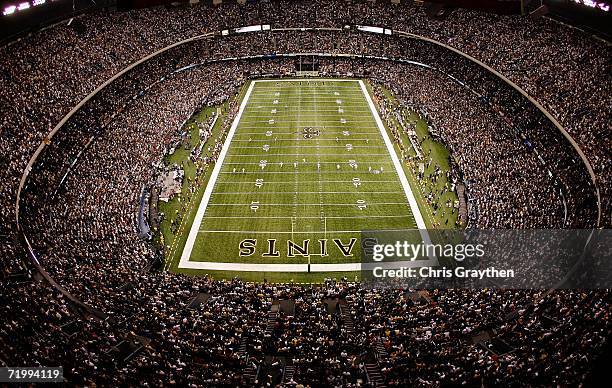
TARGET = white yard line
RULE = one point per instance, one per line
(338, 267)
(334, 115)
(320, 138)
(295, 171)
(195, 227)
(287, 182)
(311, 217)
(243, 267)
(289, 81)
(351, 112)
(323, 220)
(308, 192)
(306, 204)
(325, 98)
(306, 86)
(351, 129)
(414, 206)
(294, 121)
(352, 172)
(308, 146)
(290, 232)
(348, 153)
(279, 163)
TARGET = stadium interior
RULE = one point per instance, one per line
(162, 165)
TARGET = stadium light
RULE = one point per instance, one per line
(38, 2)
(594, 4)
(376, 30)
(9, 10)
(248, 29)
(22, 6)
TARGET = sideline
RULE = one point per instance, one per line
(197, 221)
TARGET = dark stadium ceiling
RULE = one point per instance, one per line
(517, 6)
(592, 15)
(21, 16)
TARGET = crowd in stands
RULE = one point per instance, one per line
(459, 336)
(81, 197)
(487, 154)
(47, 73)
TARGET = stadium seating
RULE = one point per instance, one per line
(77, 208)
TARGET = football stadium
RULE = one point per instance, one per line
(305, 193)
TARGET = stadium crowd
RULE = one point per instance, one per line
(47, 73)
(81, 197)
(435, 339)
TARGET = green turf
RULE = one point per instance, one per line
(325, 205)
(309, 190)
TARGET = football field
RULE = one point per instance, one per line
(306, 167)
